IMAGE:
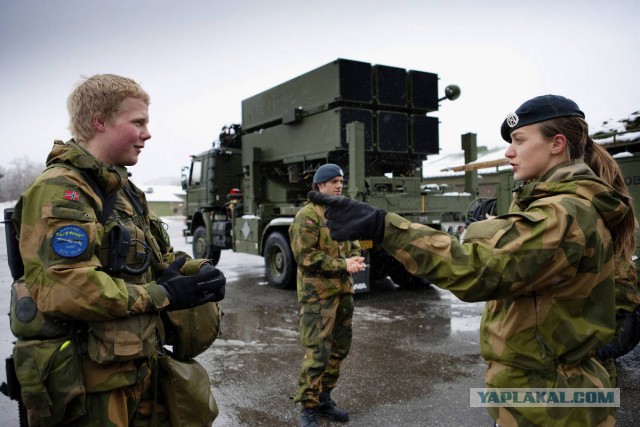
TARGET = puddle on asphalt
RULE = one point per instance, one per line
(465, 323)
(376, 315)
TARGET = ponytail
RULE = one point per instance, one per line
(582, 146)
(605, 166)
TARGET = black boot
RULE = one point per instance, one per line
(308, 417)
(328, 408)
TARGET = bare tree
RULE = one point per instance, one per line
(17, 177)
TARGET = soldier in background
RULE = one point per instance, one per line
(103, 275)
(325, 290)
(546, 269)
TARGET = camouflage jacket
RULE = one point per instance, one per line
(65, 249)
(322, 265)
(627, 292)
(546, 269)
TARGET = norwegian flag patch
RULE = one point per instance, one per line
(71, 195)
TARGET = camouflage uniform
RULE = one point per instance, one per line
(546, 270)
(115, 320)
(627, 297)
(325, 290)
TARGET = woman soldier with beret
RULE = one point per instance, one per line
(546, 269)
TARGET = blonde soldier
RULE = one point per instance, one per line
(99, 284)
(325, 290)
(546, 269)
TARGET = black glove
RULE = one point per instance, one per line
(349, 219)
(206, 285)
(219, 294)
(628, 337)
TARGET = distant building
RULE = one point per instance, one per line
(165, 200)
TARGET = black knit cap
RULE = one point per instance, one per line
(538, 110)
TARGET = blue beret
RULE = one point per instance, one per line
(538, 110)
(327, 172)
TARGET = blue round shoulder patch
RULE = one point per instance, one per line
(70, 241)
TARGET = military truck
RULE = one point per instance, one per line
(371, 120)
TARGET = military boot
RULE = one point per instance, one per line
(308, 417)
(328, 408)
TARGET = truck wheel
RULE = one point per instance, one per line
(280, 267)
(200, 247)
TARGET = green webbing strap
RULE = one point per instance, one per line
(108, 203)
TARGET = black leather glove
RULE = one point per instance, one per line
(219, 294)
(206, 285)
(628, 337)
(349, 219)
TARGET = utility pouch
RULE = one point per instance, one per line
(119, 241)
(124, 339)
(27, 322)
(159, 232)
(187, 392)
(51, 381)
(193, 330)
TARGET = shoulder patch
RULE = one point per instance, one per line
(70, 241)
(486, 229)
(71, 195)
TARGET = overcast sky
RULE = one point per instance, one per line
(199, 59)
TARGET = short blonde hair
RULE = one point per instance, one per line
(99, 95)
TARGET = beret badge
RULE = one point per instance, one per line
(512, 119)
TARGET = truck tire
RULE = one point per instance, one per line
(201, 249)
(280, 267)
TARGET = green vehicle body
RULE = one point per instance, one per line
(371, 120)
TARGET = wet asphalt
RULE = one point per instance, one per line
(414, 357)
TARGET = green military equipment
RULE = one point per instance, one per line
(187, 391)
(193, 330)
(627, 155)
(27, 322)
(51, 379)
(130, 338)
(371, 120)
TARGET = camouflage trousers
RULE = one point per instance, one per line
(133, 405)
(590, 374)
(325, 332)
